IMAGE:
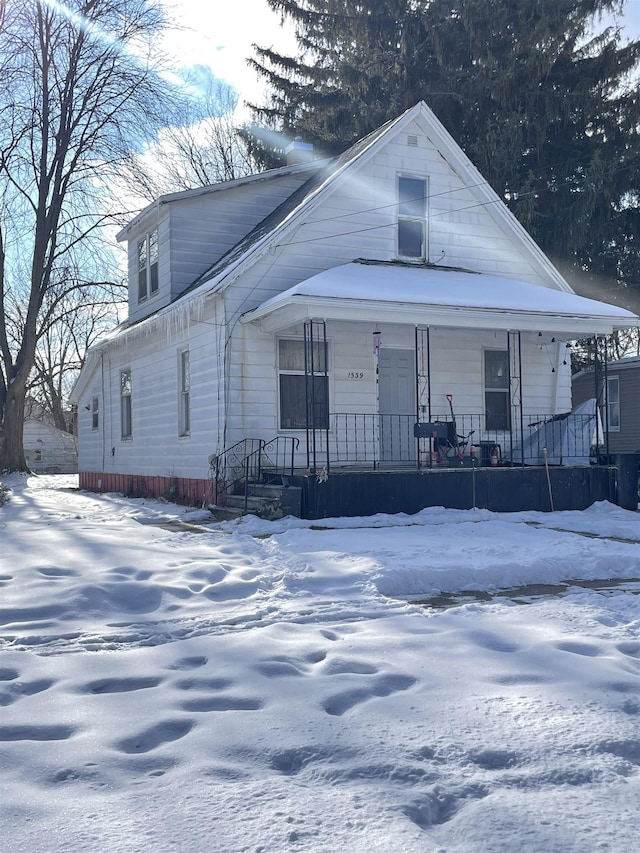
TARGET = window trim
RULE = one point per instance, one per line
(148, 273)
(613, 379)
(126, 406)
(184, 393)
(326, 374)
(409, 217)
(506, 391)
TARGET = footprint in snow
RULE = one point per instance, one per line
(222, 703)
(582, 649)
(194, 662)
(339, 704)
(36, 733)
(155, 736)
(17, 689)
(119, 685)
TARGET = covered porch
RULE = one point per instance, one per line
(387, 366)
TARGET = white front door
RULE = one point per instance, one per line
(397, 404)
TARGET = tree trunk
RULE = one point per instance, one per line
(11, 437)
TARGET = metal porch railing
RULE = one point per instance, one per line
(374, 441)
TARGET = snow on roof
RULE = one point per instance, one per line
(398, 283)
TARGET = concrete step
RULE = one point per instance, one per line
(269, 490)
(254, 504)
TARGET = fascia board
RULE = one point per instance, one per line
(292, 311)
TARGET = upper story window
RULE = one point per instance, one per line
(148, 266)
(412, 218)
(613, 402)
(496, 390)
(126, 420)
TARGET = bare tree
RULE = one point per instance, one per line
(79, 87)
(202, 147)
(80, 319)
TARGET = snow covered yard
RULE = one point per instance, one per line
(265, 686)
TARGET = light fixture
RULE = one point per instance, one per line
(377, 337)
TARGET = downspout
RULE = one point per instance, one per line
(104, 400)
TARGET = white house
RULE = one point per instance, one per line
(48, 449)
(331, 306)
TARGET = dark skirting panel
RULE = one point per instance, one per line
(496, 489)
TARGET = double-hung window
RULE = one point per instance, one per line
(412, 218)
(613, 402)
(184, 383)
(303, 385)
(148, 266)
(496, 390)
(126, 421)
(95, 413)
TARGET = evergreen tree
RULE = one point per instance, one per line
(547, 110)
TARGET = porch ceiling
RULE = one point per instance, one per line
(424, 296)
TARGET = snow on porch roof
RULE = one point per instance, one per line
(399, 293)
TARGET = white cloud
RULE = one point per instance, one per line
(221, 36)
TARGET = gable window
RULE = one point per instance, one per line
(148, 266)
(95, 413)
(184, 382)
(613, 402)
(496, 390)
(412, 218)
(304, 395)
(126, 423)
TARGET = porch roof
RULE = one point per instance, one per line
(420, 295)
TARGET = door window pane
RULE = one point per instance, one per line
(496, 390)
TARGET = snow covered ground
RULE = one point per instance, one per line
(265, 686)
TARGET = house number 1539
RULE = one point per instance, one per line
(355, 374)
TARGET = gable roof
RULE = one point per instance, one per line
(275, 226)
(297, 201)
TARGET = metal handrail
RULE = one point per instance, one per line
(231, 460)
(248, 460)
(270, 457)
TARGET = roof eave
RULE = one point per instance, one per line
(296, 309)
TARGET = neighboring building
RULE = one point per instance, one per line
(329, 306)
(49, 450)
(618, 393)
